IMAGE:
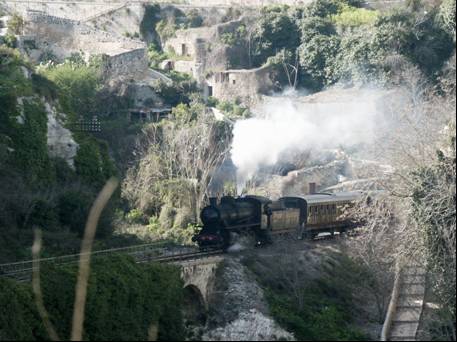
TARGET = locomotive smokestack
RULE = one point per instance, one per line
(312, 188)
(213, 201)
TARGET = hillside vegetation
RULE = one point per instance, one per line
(120, 307)
(39, 190)
(167, 167)
(333, 41)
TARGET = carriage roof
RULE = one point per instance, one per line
(332, 197)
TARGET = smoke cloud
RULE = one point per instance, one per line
(291, 122)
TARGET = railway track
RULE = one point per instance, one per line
(184, 256)
(156, 252)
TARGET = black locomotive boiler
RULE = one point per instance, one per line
(305, 216)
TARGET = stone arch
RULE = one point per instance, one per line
(194, 305)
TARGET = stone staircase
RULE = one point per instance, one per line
(407, 311)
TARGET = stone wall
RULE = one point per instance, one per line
(122, 20)
(82, 10)
(201, 274)
(188, 43)
(245, 85)
(230, 3)
(131, 63)
(200, 51)
(184, 44)
(76, 10)
(62, 37)
(85, 7)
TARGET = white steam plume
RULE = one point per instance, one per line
(286, 123)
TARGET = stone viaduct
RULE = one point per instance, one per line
(199, 276)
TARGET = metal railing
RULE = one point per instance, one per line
(160, 251)
(11, 269)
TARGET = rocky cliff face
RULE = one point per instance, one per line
(240, 312)
(61, 143)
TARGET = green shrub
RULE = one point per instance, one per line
(319, 60)
(155, 56)
(354, 17)
(92, 161)
(315, 26)
(28, 131)
(19, 319)
(78, 86)
(276, 30)
(16, 24)
(48, 56)
(135, 216)
(76, 59)
(322, 8)
(361, 61)
(184, 217)
(73, 209)
(166, 28)
(426, 44)
(233, 110)
(326, 312)
(123, 300)
(10, 41)
(167, 216)
(44, 216)
(194, 19)
(179, 92)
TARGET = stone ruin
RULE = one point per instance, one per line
(61, 37)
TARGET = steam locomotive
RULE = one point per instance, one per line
(306, 217)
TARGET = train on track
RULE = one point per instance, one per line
(306, 216)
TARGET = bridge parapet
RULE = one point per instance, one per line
(201, 274)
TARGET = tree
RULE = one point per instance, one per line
(16, 24)
(434, 211)
(308, 295)
(275, 31)
(322, 8)
(318, 59)
(360, 60)
(178, 159)
(194, 19)
(78, 86)
(289, 63)
(415, 36)
(313, 26)
(375, 246)
(415, 221)
(447, 16)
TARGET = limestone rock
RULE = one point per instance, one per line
(60, 140)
